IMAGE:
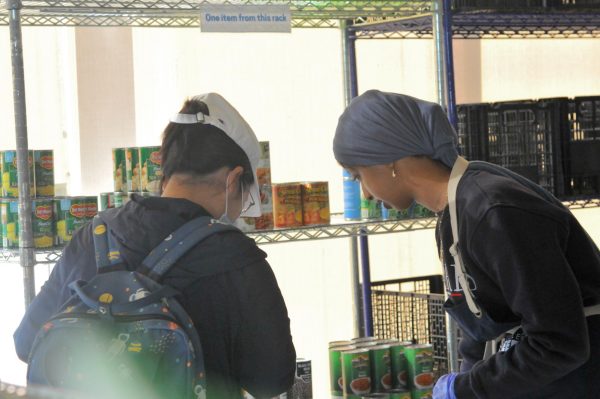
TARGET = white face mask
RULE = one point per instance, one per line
(225, 216)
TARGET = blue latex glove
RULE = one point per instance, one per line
(444, 387)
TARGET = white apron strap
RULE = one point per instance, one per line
(459, 168)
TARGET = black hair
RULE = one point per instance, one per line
(199, 149)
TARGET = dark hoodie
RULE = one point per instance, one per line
(227, 287)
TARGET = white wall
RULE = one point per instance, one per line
(289, 88)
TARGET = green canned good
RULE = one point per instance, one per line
(376, 395)
(419, 211)
(370, 209)
(133, 169)
(10, 185)
(9, 214)
(400, 394)
(44, 172)
(420, 366)
(43, 222)
(356, 373)
(335, 367)
(399, 365)
(107, 201)
(91, 207)
(381, 368)
(119, 169)
(71, 214)
(150, 160)
(118, 199)
(422, 393)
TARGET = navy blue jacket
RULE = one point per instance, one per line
(227, 287)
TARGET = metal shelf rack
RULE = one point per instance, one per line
(186, 13)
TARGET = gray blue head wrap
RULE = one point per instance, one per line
(379, 128)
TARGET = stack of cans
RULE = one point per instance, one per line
(372, 368)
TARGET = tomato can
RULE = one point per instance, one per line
(133, 169)
(315, 203)
(44, 172)
(335, 367)
(151, 162)
(287, 204)
(381, 368)
(399, 365)
(420, 366)
(356, 373)
(10, 184)
(119, 169)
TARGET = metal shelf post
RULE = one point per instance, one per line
(26, 244)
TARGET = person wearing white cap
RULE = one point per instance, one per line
(209, 158)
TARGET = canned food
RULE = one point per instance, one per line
(381, 368)
(351, 197)
(335, 368)
(42, 223)
(370, 209)
(263, 174)
(91, 207)
(356, 373)
(9, 213)
(399, 364)
(150, 160)
(10, 184)
(133, 170)
(107, 201)
(71, 214)
(399, 394)
(376, 395)
(420, 366)
(302, 388)
(315, 203)
(119, 169)
(419, 211)
(334, 344)
(388, 214)
(44, 172)
(287, 204)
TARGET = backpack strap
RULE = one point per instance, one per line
(105, 245)
(165, 255)
(459, 168)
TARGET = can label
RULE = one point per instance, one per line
(107, 201)
(399, 365)
(71, 214)
(43, 223)
(10, 185)
(420, 366)
(133, 169)
(151, 162)
(44, 172)
(263, 174)
(381, 368)
(421, 393)
(351, 197)
(287, 205)
(91, 207)
(119, 169)
(9, 213)
(118, 199)
(336, 382)
(302, 388)
(315, 203)
(370, 209)
(356, 373)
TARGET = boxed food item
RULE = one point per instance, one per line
(44, 172)
(150, 161)
(10, 185)
(315, 203)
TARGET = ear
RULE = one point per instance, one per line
(234, 179)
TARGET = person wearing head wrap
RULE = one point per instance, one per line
(524, 283)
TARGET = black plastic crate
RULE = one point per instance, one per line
(412, 316)
(525, 137)
(582, 146)
(472, 124)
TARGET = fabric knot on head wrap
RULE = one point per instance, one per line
(378, 128)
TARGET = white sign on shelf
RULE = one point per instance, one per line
(246, 18)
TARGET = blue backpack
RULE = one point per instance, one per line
(123, 334)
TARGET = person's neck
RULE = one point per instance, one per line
(203, 195)
(428, 180)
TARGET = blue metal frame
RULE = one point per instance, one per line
(366, 284)
(449, 60)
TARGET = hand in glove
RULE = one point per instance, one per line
(444, 388)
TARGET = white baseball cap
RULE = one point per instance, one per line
(226, 118)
